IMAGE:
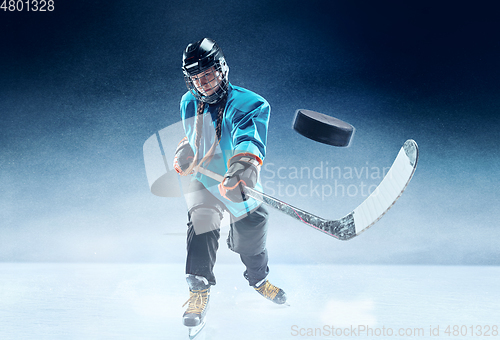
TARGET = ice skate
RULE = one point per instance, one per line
(199, 295)
(197, 333)
(270, 292)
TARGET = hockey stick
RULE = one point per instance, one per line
(366, 214)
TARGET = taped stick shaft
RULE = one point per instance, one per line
(299, 214)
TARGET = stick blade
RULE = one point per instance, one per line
(389, 190)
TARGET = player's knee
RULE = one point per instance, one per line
(205, 219)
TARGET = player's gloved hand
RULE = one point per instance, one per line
(243, 171)
(183, 157)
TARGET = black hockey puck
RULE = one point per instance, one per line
(322, 128)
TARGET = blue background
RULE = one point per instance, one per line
(82, 88)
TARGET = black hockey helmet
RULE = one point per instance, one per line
(199, 57)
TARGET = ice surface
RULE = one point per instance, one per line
(138, 301)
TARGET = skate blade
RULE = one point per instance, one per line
(196, 331)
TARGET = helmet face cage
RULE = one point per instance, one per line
(205, 71)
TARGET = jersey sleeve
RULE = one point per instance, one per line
(250, 130)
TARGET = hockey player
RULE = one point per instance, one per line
(226, 132)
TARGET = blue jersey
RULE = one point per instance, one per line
(244, 129)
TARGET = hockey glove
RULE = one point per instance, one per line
(243, 171)
(183, 157)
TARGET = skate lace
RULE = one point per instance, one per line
(268, 290)
(197, 301)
